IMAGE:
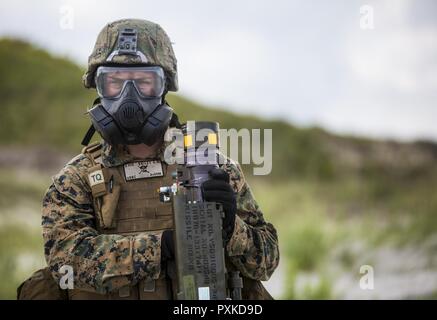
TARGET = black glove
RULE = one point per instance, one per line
(219, 190)
(167, 246)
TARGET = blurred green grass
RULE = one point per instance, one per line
(320, 219)
(21, 244)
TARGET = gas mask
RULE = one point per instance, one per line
(131, 109)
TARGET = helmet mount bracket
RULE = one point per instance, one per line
(127, 45)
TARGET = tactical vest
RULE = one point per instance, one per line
(128, 207)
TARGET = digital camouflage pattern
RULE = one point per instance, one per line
(253, 247)
(152, 41)
(101, 262)
(105, 262)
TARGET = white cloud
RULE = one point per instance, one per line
(228, 66)
(395, 55)
(392, 83)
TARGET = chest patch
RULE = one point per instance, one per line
(142, 169)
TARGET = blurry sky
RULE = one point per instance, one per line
(309, 62)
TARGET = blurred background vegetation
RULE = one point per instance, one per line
(338, 202)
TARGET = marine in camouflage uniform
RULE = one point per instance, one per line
(104, 262)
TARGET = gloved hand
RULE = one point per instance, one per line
(167, 246)
(219, 190)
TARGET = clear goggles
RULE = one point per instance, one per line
(111, 81)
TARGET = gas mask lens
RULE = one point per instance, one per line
(148, 81)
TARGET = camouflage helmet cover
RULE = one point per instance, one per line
(152, 42)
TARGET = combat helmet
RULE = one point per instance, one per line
(133, 41)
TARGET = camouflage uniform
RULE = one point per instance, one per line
(107, 262)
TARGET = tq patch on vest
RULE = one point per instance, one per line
(142, 169)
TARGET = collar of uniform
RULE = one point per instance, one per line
(113, 156)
